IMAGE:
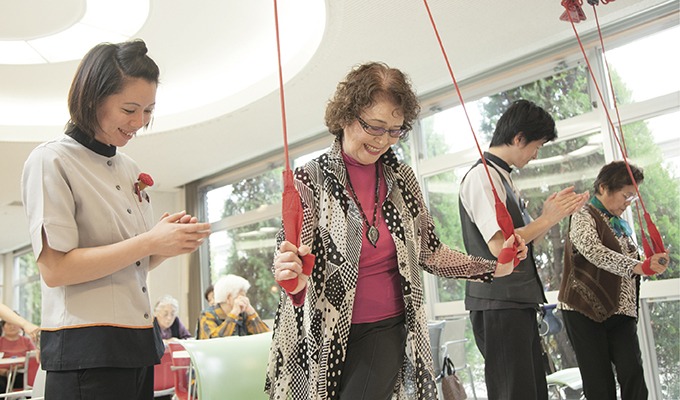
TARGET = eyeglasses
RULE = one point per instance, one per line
(377, 131)
(630, 198)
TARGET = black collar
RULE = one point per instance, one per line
(498, 161)
(92, 144)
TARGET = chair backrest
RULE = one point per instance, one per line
(39, 384)
(181, 364)
(162, 373)
(436, 329)
(31, 367)
(217, 361)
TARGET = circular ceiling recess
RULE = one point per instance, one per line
(28, 20)
(47, 31)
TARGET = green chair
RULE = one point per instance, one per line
(231, 367)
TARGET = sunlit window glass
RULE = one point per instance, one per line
(27, 295)
(248, 251)
(653, 145)
(646, 68)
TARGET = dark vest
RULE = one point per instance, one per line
(524, 284)
(586, 288)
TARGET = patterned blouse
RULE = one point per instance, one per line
(309, 341)
(584, 238)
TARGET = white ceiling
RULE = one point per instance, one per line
(210, 116)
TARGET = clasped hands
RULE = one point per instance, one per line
(563, 203)
(178, 233)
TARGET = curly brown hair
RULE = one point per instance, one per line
(363, 86)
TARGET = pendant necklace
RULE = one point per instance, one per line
(372, 233)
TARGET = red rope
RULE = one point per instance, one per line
(654, 235)
(606, 109)
(283, 101)
(460, 97)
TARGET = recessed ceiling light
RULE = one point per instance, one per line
(102, 21)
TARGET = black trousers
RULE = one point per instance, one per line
(100, 384)
(375, 354)
(510, 344)
(598, 345)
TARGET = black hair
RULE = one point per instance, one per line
(101, 73)
(615, 176)
(526, 118)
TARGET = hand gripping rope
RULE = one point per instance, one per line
(291, 205)
(502, 216)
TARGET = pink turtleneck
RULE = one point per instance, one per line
(378, 293)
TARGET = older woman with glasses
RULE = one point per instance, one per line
(356, 327)
(166, 317)
(599, 293)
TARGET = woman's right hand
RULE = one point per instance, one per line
(288, 264)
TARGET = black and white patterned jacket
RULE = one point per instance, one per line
(309, 342)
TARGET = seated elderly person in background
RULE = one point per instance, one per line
(14, 344)
(165, 315)
(232, 314)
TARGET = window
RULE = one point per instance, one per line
(246, 217)
(26, 285)
(563, 94)
(442, 192)
(650, 142)
(647, 67)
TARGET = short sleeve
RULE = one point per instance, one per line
(477, 198)
(48, 201)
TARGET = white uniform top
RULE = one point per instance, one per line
(477, 197)
(85, 199)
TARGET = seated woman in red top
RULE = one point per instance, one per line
(13, 344)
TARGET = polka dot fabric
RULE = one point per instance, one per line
(309, 342)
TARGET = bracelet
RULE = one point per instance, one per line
(646, 269)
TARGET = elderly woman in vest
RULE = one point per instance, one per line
(600, 287)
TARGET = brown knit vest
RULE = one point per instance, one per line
(586, 288)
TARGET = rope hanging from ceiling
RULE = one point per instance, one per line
(291, 205)
(574, 14)
(503, 217)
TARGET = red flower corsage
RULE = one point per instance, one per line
(143, 181)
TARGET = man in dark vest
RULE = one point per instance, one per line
(503, 314)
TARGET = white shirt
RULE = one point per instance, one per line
(477, 197)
